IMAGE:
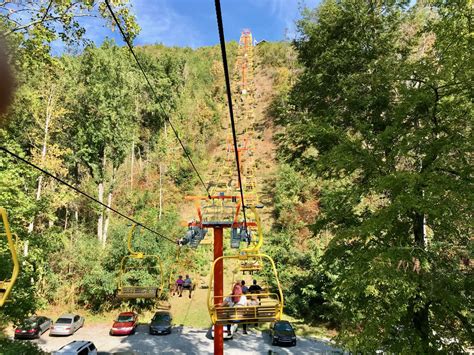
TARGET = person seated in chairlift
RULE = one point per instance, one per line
(253, 301)
(188, 285)
(179, 286)
(245, 289)
(255, 288)
(236, 299)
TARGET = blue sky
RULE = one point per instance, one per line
(192, 22)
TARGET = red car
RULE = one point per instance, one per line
(125, 324)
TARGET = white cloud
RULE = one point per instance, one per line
(160, 23)
(287, 11)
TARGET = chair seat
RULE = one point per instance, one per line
(247, 314)
(138, 292)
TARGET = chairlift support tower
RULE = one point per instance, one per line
(217, 213)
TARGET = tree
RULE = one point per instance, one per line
(103, 118)
(382, 113)
(47, 20)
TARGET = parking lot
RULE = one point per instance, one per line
(182, 340)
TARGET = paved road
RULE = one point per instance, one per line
(183, 340)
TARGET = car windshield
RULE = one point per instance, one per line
(161, 318)
(283, 327)
(28, 323)
(64, 321)
(122, 319)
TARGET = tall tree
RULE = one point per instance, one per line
(382, 112)
(103, 120)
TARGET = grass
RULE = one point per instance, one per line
(191, 312)
(310, 330)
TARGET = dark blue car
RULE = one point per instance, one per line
(282, 332)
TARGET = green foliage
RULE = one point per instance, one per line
(13, 179)
(10, 347)
(304, 280)
(381, 114)
(275, 54)
(98, 104)
(37, 24)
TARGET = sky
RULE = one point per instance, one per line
(192, 23)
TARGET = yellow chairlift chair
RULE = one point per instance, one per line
(253, 263)
(128, 291)
(6, 283)
(268, 309)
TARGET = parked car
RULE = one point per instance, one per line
(125, 324)
(67, 324)
(79, 347)
(282, 332)
(161, 323)
(233, 329)
(32, 327)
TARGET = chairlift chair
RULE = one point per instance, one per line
(7, 283)
(125, 289)
(128, 291)
(269, 308)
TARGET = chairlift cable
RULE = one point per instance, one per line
(86, 194)
(220, 26)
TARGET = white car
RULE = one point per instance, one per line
(67, 324)
(233, 329)
(79, 347)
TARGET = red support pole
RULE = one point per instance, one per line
(218, 287)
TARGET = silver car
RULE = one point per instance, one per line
(79, 347)
(67, 324)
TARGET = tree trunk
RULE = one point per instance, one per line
(43, 151)
(66, 218)
(131, 165)
(76, 215)
(161, 193)
(421, 315)
(25, 248)
(109, 204)
(100, 220)
(140, 162)
(107, 218)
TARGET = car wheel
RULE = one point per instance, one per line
(274, 342)
(293, 343)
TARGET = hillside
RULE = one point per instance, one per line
(355, 138)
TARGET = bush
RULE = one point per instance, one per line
(15, 347)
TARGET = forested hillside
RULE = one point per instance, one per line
(376, 146)
(364, 133)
